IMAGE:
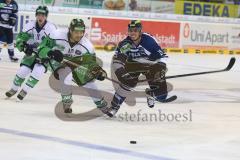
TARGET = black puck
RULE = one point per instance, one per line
(133, 142)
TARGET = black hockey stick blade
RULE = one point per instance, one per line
(230, 65)
(170, 99)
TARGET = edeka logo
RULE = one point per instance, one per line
(206, 9)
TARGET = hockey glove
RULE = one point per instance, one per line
(99, 73)
(12, 21)
(56, 55)
(102, 75)
(27, 49)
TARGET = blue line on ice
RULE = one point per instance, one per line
(82, 144)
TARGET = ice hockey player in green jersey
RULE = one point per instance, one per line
(27, 41)
(67, 49)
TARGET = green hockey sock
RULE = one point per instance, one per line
(18, 80)
(31, 82)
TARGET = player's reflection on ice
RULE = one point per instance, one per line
(82, 91)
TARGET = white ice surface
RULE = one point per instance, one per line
(30, 129)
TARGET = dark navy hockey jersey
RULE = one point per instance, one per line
(7, 13)
(148, 48)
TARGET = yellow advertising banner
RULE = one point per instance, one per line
(206, 9)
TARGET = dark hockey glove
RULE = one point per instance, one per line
(12, 21)
(99, 73)
(102, 75)
(56, 55)
(27, 49)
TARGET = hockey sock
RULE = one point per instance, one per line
(17, 82)
(20, 77)
(117, 101)
(67, 99)
(36, 74)
(100, 103)
(31, 82)
(10, 50)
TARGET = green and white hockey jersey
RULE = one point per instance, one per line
(33, 34)
(81, 53)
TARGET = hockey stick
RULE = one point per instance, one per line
(230, 65)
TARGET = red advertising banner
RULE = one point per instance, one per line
(104, 31)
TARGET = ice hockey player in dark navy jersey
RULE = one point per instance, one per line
(139, 53)
(8, 19)
(146, 48)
